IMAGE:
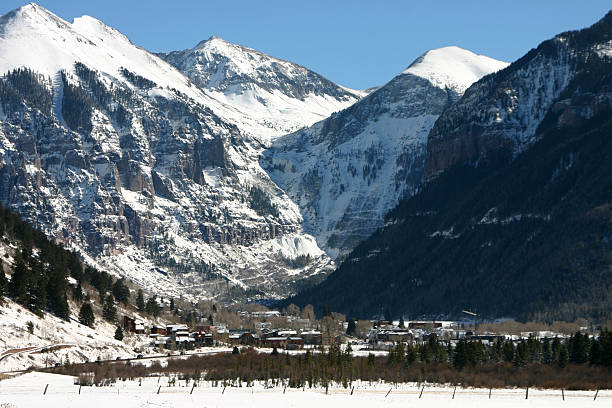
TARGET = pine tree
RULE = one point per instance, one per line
(3, 284)
(56, 285)
(120, 291)
(119, 333)
(578, 348)
(77, 293)
(20, 280)
(152, 307)
(140, 304)
(351, 328)
(86, 315)
(109, 312)
(547, 354)
(563, 356)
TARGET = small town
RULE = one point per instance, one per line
(275, 330)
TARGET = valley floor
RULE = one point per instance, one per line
(28, 390)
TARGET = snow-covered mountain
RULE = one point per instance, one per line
(346, 172)
(516, 203)
(500, 115)
(270, 97)
(110, 149)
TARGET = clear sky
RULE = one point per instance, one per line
(356, 43)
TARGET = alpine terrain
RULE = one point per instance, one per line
(152, 173)
(348, 171)
(515, 217)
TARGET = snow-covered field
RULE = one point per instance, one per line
(28, 390)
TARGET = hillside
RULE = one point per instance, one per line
(347, 171)
(520, 225)
(42, 288)
(114, 152)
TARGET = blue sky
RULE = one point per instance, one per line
(355, 43)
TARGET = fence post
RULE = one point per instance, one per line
(388, 392)
(421, 394)
(454, 392)
(352, 390)
(223, 392)
(563, 394)
(527, 393)
(596, 392)
(490, 392)
(80, 389)
(159, 389)
(284, 389)
(45, 391)
(191, 392)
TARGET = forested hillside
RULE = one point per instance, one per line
(530, 239)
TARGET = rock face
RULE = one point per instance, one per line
(348, 171)
(114, 152)
(499, 116)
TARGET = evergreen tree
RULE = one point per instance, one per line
(460, 357)
(152, 307)
(595, 355)
(119, 333)
(578, 348)
(56, 287)
(351, 329)
(86, 315)
(140, 304)
(120, 291)
(521, 356)
(77, 293)
(402, 325)
(171, 304)
(20, 280)
(3, 284)
(563, 356)
(109, 311)
(547, 354)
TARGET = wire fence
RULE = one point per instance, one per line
(166, 386)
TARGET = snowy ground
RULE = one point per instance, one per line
(28, 391)
(56, 341)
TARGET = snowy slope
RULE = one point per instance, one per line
(148, 175)
(68, 341)
(453, 67)
(271, 96)
(348, 171)
(35, 38)
(500, 115)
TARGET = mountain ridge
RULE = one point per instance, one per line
(500, 230)
(373, 151)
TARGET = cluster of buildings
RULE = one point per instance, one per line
(386, 335)
(382, 335)
(280, 338)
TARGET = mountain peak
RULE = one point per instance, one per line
(453, 67)
(31, 14)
